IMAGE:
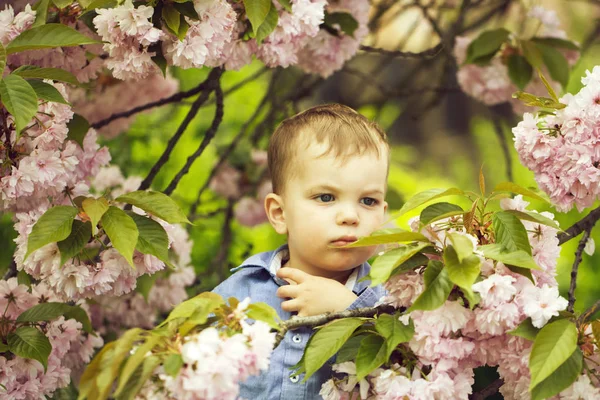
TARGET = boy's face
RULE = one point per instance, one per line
(328, 203)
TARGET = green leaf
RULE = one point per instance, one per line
(394, 331)
(462, 245)
(371, 354)
(532, 53)
(423, 197)
(51, 310)
(557, 64)
(54, 226)
(556, 42)
(534, 217)
(436, 210)
(488, 43)
(19, 98)
(138, 378)
(78, 127)
(398, 237)
(152, 239)
(384, 265)
(516, 258)
(173, 364)
(2, 58)
(183, 29)
(41, 12)
(465, 273)
(349, 350)
(3, 347)
(347, 23)
(437, 288)
(28, 342)
(187, 9)
(510, 232)
(47, 92)
(535, 101)
(23, 278)
(562, 378)
(144, 284)
(286, 4)
(415, 261)
(205, 302)
(257, 11)
(525, 330)
(326, 342)
(95, 209)
(596, 330)
(265, 313)
(62, 3)
(171, 17)
(48, 36)
(268, 25)
(157, 204)
(122, 232)
(549, 87)
(519, 70)
(514, 188)
(553, 345)
(136, 359)
(80, 235)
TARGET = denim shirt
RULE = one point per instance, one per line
(255, 279)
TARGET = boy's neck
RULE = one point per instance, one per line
(340, 276)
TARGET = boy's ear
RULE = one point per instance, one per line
(385, 205)
(274, 210)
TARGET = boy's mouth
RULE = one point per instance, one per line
(343, 241)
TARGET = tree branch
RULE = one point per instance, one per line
(489, 390)
(429, 53)
(318, 320)
(574, 230)
(578, 257)
(11, 272)
(210, 134)
(500, 134)
(214, 76)
(588, 313)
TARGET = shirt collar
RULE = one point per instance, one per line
(271, 261)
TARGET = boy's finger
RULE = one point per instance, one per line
(291, 305)
(295, 274)
(287, 292)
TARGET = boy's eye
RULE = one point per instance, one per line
(369, 201)
(325, 198)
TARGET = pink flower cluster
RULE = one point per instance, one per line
(204, 42)
(563, 150)
(72, 348)
(215, 363)
(325, 53)
(12, 25)
(491, 84)
(129, 33)
(43, 163)
(453, 339)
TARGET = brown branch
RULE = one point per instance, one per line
(501, 7)
(588, 313)
(210, 134)
(220, 259)
(500, 134)
(11, 272)
(429, 53)
(318, 320)
(574, 230)
(214, 76)
(578, 258)
(489, 390)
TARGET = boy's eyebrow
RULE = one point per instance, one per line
(332, 188)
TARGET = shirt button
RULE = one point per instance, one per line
(294, 378)
(297, 338)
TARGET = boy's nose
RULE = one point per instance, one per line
(347, 216)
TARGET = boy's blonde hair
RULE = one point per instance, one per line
(346, 131)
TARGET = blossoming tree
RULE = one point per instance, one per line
(467, 286)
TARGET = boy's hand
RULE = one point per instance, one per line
(312, 295)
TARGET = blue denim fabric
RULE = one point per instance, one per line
(253, 279)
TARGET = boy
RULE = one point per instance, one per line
(329, 168)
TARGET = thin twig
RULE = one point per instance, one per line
(212, 77)
(220, 260)
(578, 258)
(11, 272)
(574, 230)
(485, 18)
(318, 320)
(429, 53)
(489, 390)
(507, 161)
(210, 134)
(588, 313)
